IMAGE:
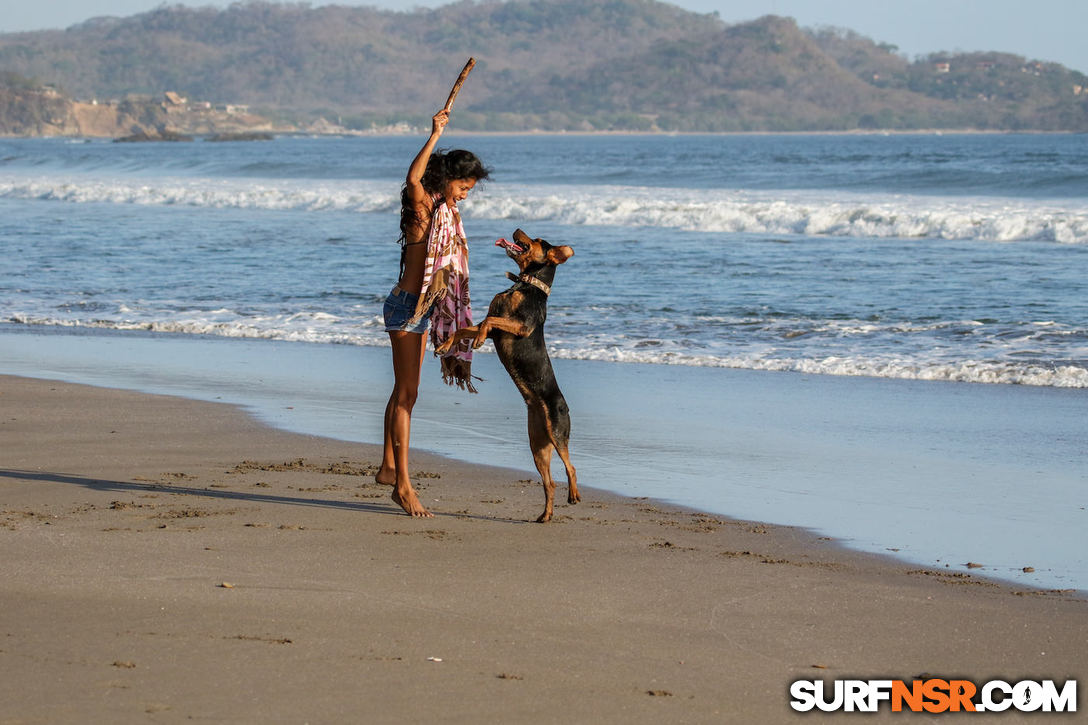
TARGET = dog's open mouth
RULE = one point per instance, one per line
(510, 247)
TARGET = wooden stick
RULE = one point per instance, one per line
(460, 81)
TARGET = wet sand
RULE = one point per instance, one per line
(169, 560)
(936, 473)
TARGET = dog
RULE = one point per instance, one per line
(515, 322)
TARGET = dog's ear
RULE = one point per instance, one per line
(558, 255)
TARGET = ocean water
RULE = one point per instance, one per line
(958, 258)
(884, 338)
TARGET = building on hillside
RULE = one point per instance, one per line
(232, 108)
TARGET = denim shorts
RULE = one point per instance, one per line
(399, 308)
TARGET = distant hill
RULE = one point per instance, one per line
(551, 65)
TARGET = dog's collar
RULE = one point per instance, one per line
(530, 280)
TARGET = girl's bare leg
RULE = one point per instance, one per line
(387, 474)
(406, 380)
(408, 350)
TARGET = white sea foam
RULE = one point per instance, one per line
(795, 213)
(269, 194)
(299, 327)
(1064, 376)
(323, 328)
(721, 211)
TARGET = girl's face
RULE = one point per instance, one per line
(458, 189)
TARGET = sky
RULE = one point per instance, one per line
(1048, 30)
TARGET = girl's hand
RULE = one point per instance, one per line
(439, 121)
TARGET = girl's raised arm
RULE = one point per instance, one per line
(419, 164)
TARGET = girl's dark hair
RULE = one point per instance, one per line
(442, 168)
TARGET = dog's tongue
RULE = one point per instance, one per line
(507, 244)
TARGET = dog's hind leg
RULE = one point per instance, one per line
(572, 476)
(560, 434)
(540, 441)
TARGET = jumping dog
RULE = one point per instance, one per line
(515, 322)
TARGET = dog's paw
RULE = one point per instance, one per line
(478, 341)
(444, 347)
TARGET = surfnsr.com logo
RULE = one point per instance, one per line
(933, 695)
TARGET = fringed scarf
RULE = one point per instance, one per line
(445, 285)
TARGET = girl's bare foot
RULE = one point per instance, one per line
(385, 476)
(408, 501)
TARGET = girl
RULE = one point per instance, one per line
(432, 290)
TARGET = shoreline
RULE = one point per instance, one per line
(793, 449)
(167, 554)
(802, 536)
(380, 133)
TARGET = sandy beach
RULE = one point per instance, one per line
(170, 560)
(932, 473)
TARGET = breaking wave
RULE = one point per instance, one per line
(715, 211)
(323, 328)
